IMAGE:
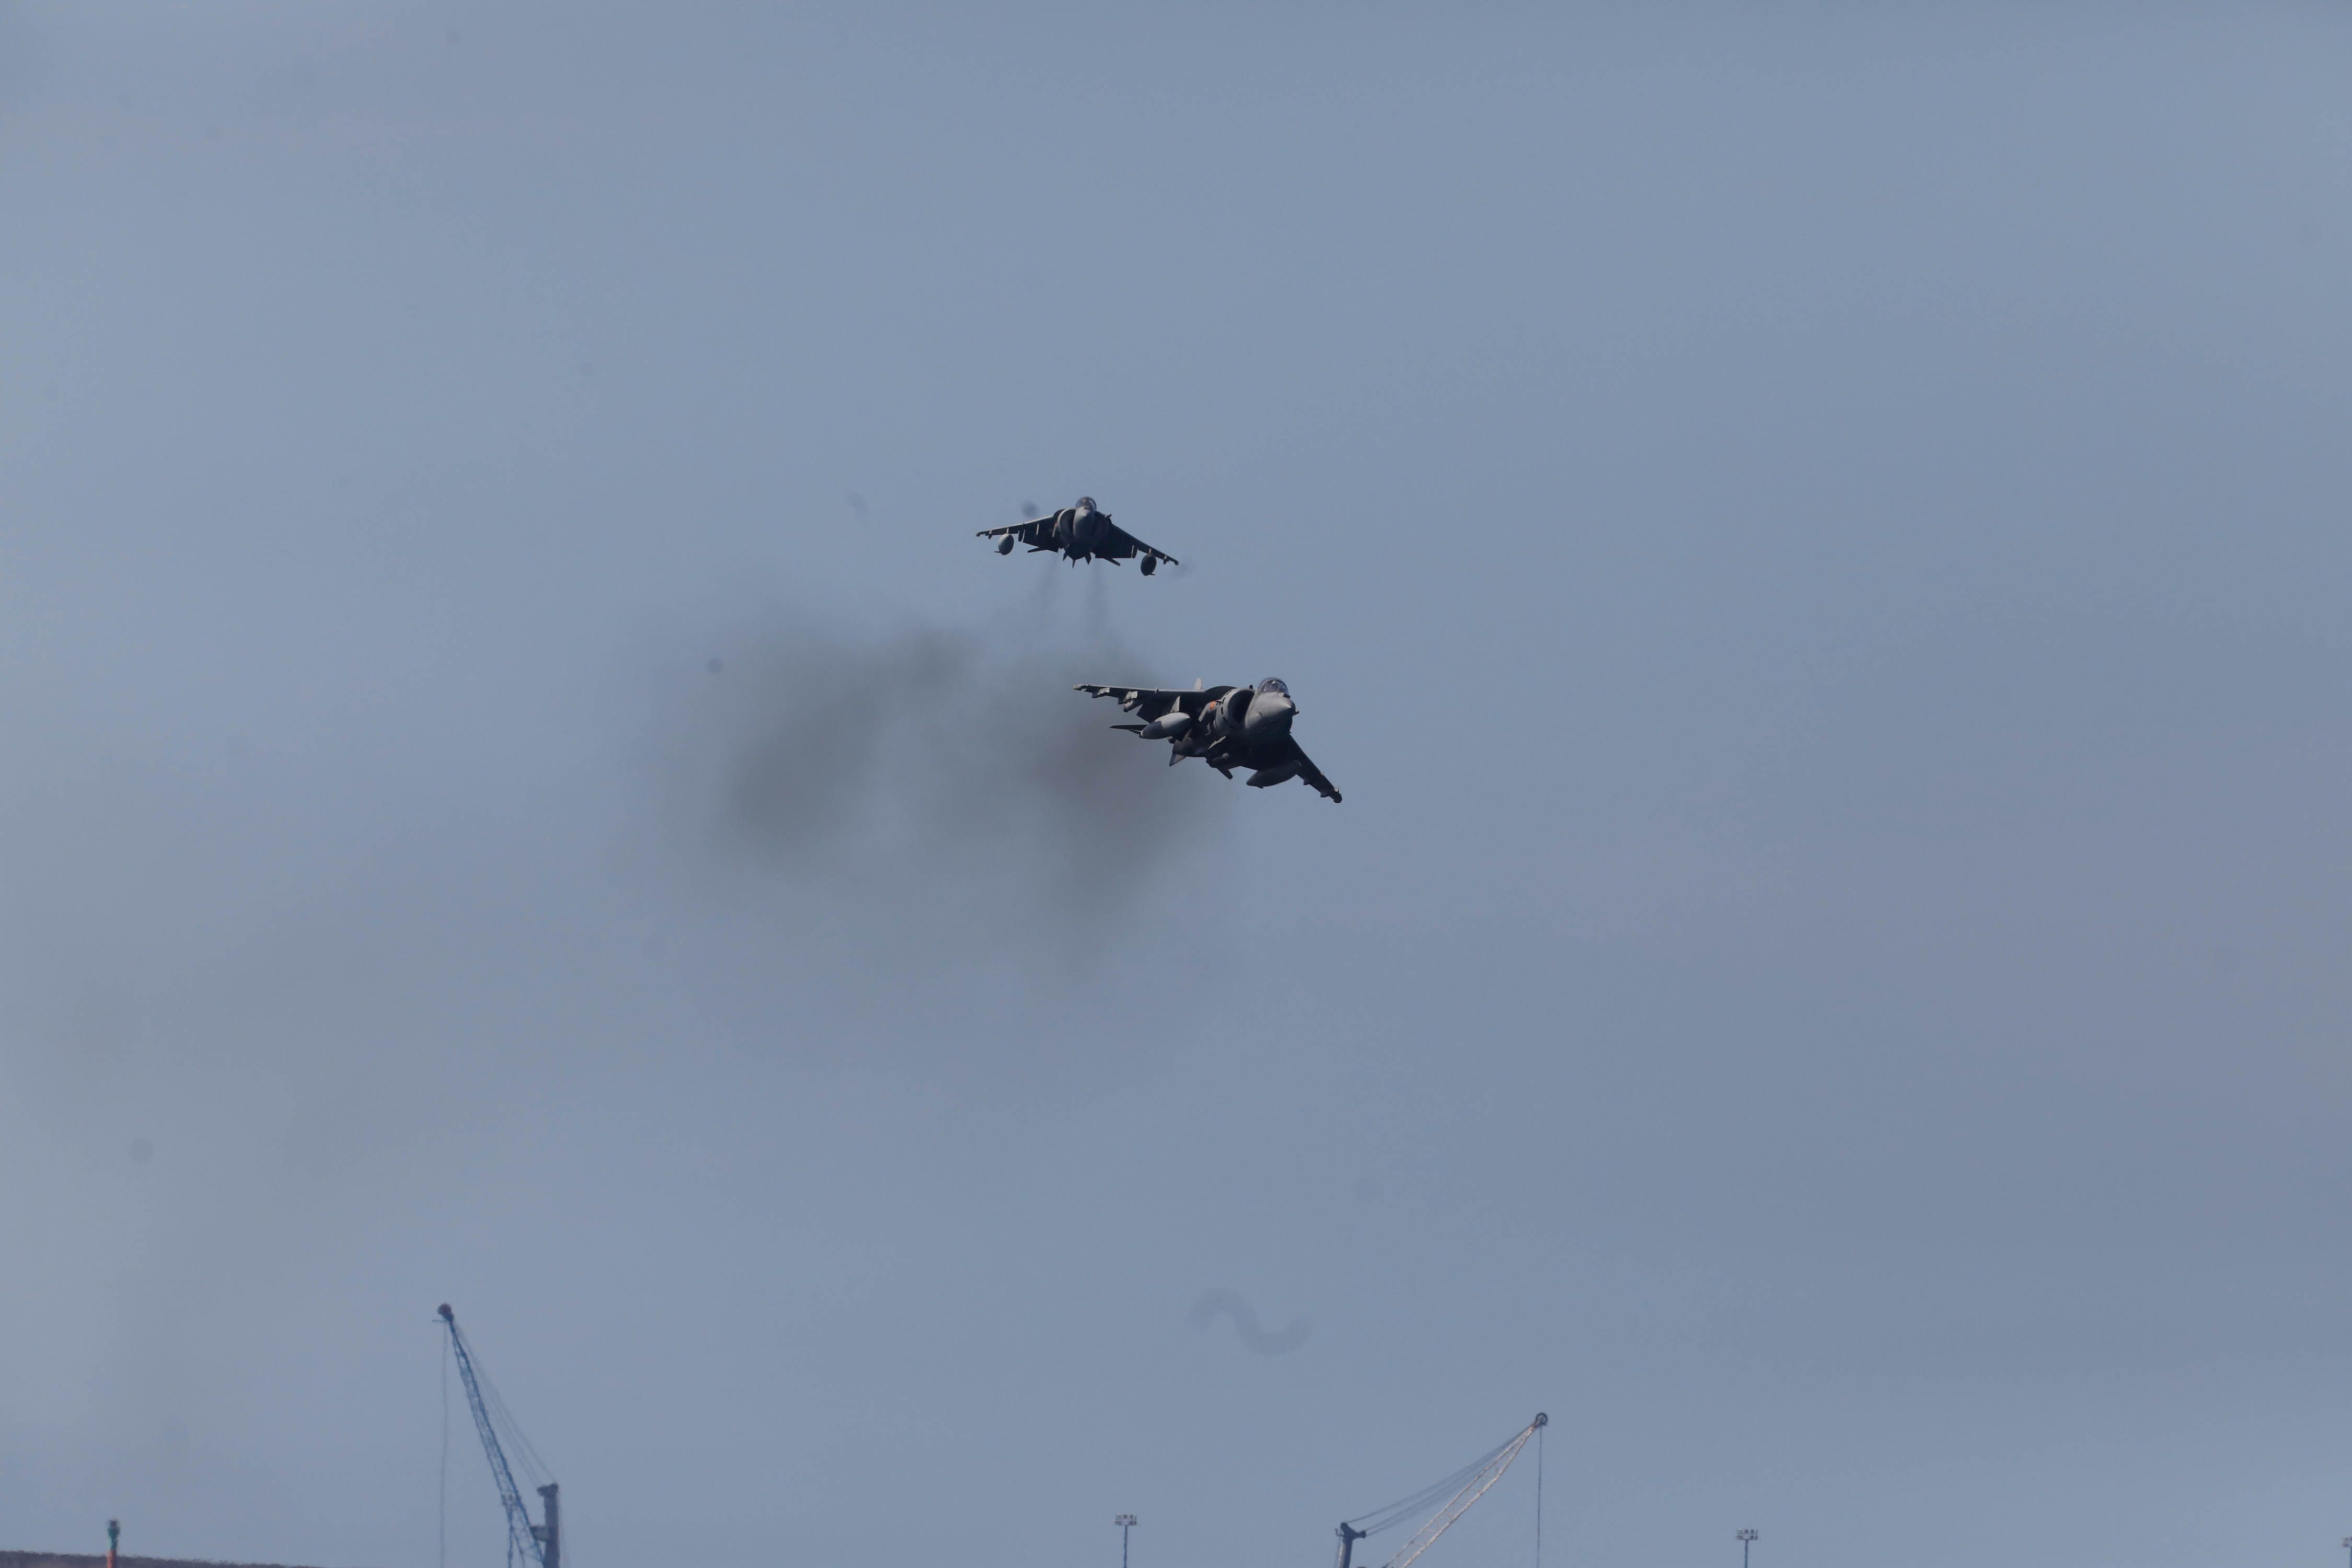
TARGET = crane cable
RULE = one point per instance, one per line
(1381, 1518)
(1539, 1437)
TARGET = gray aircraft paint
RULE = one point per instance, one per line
(1227, 727)
(1080, 532)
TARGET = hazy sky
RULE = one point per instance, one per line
(1813, 537)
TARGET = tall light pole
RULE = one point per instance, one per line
(1747, 1540)
(2347, 1551)
(1126, 1523)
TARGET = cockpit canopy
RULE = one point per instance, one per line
(1085, 503)
(1271, 683)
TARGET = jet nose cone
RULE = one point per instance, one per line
(1269, 713)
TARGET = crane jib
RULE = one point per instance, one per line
(1473, 1484)
(535, 1543)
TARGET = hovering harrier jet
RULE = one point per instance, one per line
(1082, 533)
(1227, 727)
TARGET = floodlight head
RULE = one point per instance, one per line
(1746, 1535)
(1124, 1521)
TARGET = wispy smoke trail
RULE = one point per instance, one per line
(1222, 1302)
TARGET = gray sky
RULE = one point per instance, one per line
(1814, 540)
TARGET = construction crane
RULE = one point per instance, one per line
(533, 1545)
(1459, 1490)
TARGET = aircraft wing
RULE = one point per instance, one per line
(1312, 776)
(1134, 546)
(1033, 532)
(1149, 702)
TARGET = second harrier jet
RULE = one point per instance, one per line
(1080, 533)
(1227, 727)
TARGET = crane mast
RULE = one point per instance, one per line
(539, 1544)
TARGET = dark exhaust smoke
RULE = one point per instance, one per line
(936, 777)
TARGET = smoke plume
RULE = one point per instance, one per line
(1222, 1302)
(935, 777)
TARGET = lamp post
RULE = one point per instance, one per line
(1747, 1540)
(2347, 1551)
(1126, 1523)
